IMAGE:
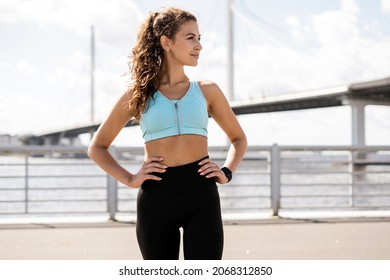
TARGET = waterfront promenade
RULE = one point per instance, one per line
(268, 239)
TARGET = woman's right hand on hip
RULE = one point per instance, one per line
(153, 164)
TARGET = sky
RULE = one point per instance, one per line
(281, 47)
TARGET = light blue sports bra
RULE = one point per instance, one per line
(165, 117)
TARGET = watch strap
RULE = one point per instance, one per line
(228, 173)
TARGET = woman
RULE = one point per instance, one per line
(177, 182)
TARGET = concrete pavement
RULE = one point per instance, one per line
(269, 239)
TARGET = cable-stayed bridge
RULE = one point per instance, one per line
(356, 95)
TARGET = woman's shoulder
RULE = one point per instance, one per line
(209, 87)
(211, 92)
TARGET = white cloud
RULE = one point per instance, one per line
(21, 114)
(335, 27)
(385, 5)
(349, 6)
(24, 67)
(4, 65)
(116, 19)
(373, 28)
(333, 52)
(296, 28)
(290, 128)
(293, 21)
(377, 125)
(21, 67)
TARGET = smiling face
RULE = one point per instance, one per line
(185, 47)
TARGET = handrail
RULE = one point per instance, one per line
(271, 178)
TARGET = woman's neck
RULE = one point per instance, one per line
(172, 75)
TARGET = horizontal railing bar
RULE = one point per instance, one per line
(372, 195)
(330, 171)
(54, 176)
(318, 207)
(126, 199)
(22, 213)
(334, 195)
(67, 200)
(69, 176)
(369, 206)
(363, 173)
(75, 163)
(288, 185)
(244, 196)
(234, 186)
(318, 172)
(245, 208)
(66, 188)
(371, 184)
(252, 173)
(65, 212)
(370, 161)
(298, 160)
(315, 196)
(13, 213)
(334, 148)
(336, 207)
(43, 149)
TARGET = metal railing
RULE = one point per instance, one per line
(64, 181)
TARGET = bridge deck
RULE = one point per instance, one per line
(372, 92)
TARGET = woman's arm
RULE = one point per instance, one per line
(222, 113)
(105, 135)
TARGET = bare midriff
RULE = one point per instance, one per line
(177, 150)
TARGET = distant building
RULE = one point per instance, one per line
(7, 140)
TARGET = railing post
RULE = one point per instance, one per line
(112, 190)
(26, 179)
(351, 159)
(275, 179)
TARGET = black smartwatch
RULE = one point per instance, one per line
(228, 173)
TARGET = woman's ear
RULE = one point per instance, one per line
(165, 43)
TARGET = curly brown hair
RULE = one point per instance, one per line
(148, 55)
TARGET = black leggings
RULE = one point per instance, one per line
(182, 199)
